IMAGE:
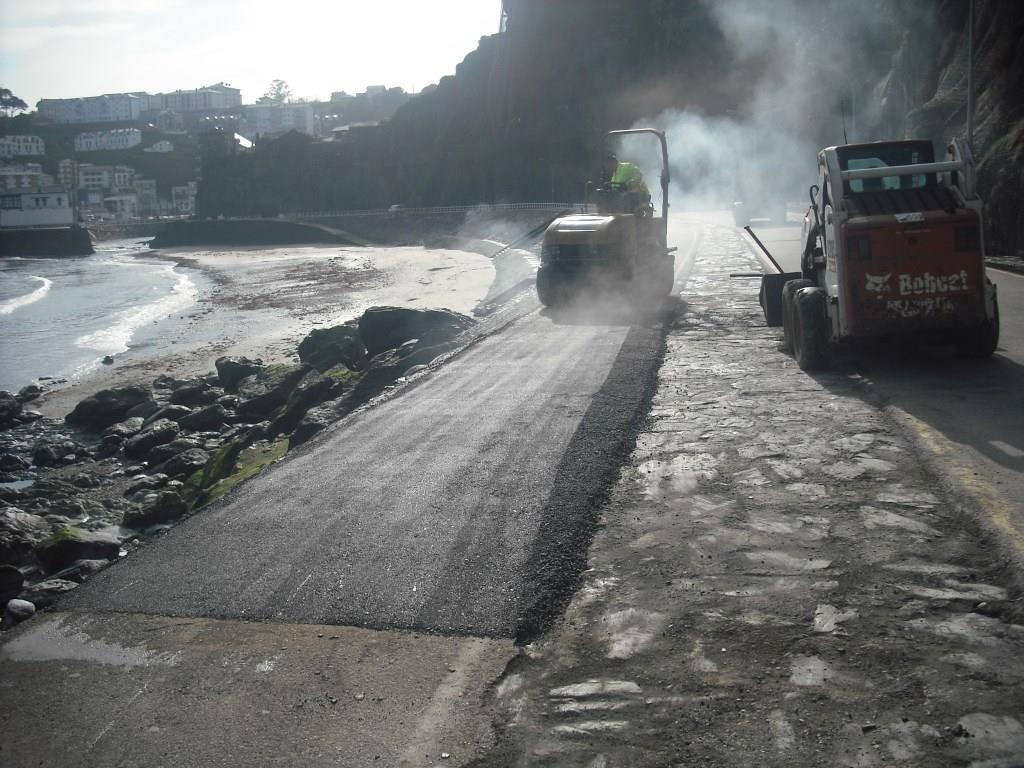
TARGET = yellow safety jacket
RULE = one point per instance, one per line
(631, 177)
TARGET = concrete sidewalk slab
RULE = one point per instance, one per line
(129, 690)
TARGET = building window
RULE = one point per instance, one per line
(10, 203)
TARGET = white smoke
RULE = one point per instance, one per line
(817, 64)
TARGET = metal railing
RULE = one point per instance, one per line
(446, 209)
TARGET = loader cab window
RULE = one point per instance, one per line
(855, 158)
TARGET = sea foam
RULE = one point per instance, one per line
(7, 307)
(118, 335)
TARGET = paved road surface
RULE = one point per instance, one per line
(462, 508)
(971, 413)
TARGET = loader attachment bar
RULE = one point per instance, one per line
(902, 170)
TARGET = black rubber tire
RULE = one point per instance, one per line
(981, 342)
(812, 346)
(788, 291)
(547, 292)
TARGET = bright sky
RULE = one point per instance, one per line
(62, 49)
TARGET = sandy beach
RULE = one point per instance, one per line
(260, 302)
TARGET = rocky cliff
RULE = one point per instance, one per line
(523, 116)
(925, 94)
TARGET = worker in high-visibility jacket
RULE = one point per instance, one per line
(628, 178)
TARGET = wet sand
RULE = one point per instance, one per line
(261, 302)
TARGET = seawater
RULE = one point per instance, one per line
(60, 317)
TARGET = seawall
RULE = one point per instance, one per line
(46, 241)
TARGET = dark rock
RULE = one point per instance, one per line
(383, 328)
(28, 416)
(85, 480)
(268, 390)
(312, 390)
(68, 509)
(157, 433)
(69, 544)
(385, 369)
(185, 463)
(195, 392)
(172, 412)
(108, 359)
(210, 417)
(11, 463)
(162, 453)
(109, 446)
(145, 483)
(126, 428)
(48, 592)
(47, 454)
(81, 570)
(228, 401)
(10, 495)
(29, 393)
(231, 370)
(16, 611)
(167, 506)
(11, 581)
(20, 533)
(10, 407)
(51, 488)
(106, 407)
(166, 382)
(325, 348)
(316, 420)
(144, 409)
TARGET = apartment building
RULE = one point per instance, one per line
(127, 107)
(119, 139)
(27, 176)
(105, 177)
(275, 119)
(109, 108)
(21, 146)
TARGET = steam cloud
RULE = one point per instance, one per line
(817, 63)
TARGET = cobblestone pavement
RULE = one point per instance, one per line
(778, 581)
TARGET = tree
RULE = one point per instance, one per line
(9, 103)
(278, 93)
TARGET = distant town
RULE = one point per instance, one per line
(129, 157)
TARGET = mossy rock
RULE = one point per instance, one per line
(250, 463)
(67, 545)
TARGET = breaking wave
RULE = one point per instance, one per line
(7, 307)
(118, 335)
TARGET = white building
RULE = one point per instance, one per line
(184, 198)
(124, 205)
(120, 139)
(18, 146)
(160, 146)
(210, 97)
(275, 119)
(67, 173)
(44, 207)
(109, 108)
(108, 178)
(148, 202)
(27, 176)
